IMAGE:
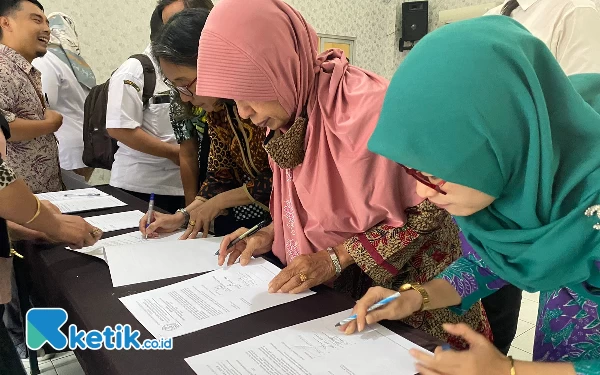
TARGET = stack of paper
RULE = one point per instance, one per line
(151, 260)
(97, 249)
(314, 347)
(207, 300)
(81, 200)
(118, 221)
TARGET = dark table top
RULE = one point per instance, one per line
(82, 285)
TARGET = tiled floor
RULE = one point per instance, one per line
(522, 346)
(62, 364)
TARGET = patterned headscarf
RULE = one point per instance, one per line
(64, 43)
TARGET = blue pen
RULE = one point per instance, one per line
(446, 347)
(383, 302)
(150, 211)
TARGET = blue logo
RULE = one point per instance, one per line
(43, 325)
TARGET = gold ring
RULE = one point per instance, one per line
(303, 277)
(192, 223)
(96, 231)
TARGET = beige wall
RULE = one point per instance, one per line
(109, 30)
(112, 30)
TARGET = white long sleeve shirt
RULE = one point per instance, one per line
(570, 29)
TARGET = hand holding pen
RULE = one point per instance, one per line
(244, 243)
(396, 307)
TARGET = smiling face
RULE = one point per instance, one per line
(185, 76)
(263, 114)
(459, 200)
(26, 30)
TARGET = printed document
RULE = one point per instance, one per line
(207, 300)
(311, 348)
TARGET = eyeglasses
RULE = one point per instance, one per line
(185, 90)
(425, 180)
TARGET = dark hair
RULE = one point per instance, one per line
(9, 6)
(156, 21)
(178, 40)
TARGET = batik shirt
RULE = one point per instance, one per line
(35, 160)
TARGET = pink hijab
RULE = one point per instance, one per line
(263, 50)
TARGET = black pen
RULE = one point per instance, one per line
(250, 232)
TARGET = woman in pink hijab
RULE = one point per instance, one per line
(339, 211)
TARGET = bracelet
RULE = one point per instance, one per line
(512, 365)
(37, 213)
(199, 198)
(186, 216)
(336, 261)
(419, 288)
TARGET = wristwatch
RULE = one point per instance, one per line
(186, 215)
(336, 261)
(419, 288)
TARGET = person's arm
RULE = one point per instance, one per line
(187, 136)
(383, 251)
(24, 130)
(189, 169)
(125, 113)
(141, 141)
(578, 48)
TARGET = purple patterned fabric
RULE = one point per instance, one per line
(568, 325)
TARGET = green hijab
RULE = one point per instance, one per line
(484, 104)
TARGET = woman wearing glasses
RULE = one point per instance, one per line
(237, 187)
(519, 168)
(339, 211)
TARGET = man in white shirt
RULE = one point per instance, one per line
(570, 29)
(147, 160)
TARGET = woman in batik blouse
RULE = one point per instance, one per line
(237, 186)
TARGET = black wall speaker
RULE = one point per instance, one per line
(415, 23)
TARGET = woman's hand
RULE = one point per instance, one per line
(51, 207)
(74, 231)
(161, 223)
(202, 213)
(403, 306)
(258, 244)
(481, 358)
(303, 273)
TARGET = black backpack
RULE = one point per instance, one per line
(98, 147)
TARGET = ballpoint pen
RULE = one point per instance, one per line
(250, 232)
(383, 302)
(83, 195)
(150, 211)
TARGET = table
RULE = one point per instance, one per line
(82, 286)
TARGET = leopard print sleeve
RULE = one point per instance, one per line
(7, 176)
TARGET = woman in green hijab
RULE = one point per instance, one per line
(498, 136)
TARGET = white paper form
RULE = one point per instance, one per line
(81, 200)
(208, 300)
(136, 237)
(118, 221)
(153, 259)
(314, 347)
